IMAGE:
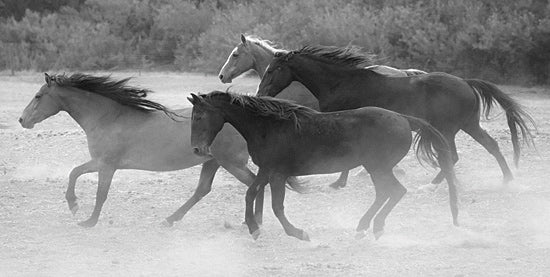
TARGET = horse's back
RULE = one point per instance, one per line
(298, 93)
(335, 141)
(387, 70)
(155, 141)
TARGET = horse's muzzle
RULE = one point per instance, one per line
(25, 124)
(225, 79)
(202, 151)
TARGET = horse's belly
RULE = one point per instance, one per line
(328, 164)
(165, 160)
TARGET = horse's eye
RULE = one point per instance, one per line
(38, 96)
(235, 55)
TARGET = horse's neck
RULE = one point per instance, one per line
(324, 81)
(316, 78)
(247, 124)
(88, 109)
(262, 58)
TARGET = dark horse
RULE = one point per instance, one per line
(286, 139)
(336, 77)
(125, 130)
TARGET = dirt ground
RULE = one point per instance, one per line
(504, 232)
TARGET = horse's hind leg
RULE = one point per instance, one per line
(396, 191)
(243, 174)
(277, 183)
(382, 195)
(261, 180)
(208, 171)
(70, 195)
(491, 146)
(342, 180)
(454, 156)
(103, 185)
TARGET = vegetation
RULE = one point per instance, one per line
(503, 41)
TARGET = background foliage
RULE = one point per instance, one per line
(503, 41)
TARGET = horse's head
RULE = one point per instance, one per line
(206, 122)
(43, 105)
(278, 75)
(239, 61)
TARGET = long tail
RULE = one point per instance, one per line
(434, 148)
(429, 142)
(294, 184)
(516, 116)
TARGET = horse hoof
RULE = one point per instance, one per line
(305, 236)
(507, 179)
(74, 208)
(166, 223)
(378, 234)
(337, 185)
(455, 223)
(360, 235)
(399, 171)
(88, 223)
(256, 234)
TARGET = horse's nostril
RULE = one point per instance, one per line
(196, 150)
(20, 120)
(221, 76)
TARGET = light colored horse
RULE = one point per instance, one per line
(253, 53)
(126, 131)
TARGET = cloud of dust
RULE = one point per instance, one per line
(41, 171)
(216, 255)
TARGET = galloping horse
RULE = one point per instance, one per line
(338, 80)
(254, 53)
(286, 139)
(126, 131)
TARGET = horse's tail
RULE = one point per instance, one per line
(430, 145)
(516, 116)
(428, 140)
(295, 184)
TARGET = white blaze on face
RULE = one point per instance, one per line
(228, 67)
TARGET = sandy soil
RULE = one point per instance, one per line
(503, 232)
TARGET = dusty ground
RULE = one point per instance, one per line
(503, 232)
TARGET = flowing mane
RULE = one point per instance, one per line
(278, 109)
(264, 43)
(118, 91)
(346, 56)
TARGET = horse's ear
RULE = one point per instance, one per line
(194, 99)
(48, 79)
(243, 39)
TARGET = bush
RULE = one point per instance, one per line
(473, 38)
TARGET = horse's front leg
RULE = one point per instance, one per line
(243, 174)
(277, 182)
(251, 193)
(70, 195)
(103, 185)
(342, 180)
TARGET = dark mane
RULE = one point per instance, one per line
(278, 109)
(117, 90)
(346, 56)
